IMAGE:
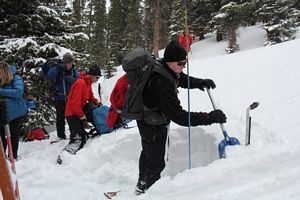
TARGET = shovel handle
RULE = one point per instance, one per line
(215, 108)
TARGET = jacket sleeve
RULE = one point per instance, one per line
(51, 76)
(76, 99)
(17, 89)
(92, 97)
(165, 96)
(194, 82)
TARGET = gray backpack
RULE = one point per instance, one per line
(139, 65)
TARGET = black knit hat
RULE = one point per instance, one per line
(68, 58)
(174, 52)
(94, 70)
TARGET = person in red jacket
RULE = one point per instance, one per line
(183, 40)
(78, 111)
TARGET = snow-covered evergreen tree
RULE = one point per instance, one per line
(98, 47)
(278, 19)
(176, 19)
(116, 27)
(132, 34)
(228, 21)
(31, 33)
(201, 13)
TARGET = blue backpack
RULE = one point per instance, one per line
(99, 116)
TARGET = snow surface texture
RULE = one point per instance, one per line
(267, 169)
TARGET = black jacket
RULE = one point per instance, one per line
(161, 92)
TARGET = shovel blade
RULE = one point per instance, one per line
(231, 141)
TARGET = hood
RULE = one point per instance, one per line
(84, 77)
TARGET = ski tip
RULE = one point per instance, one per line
(110, 195)
(59, 160)
(107, 196)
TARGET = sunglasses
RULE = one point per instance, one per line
(181, 63)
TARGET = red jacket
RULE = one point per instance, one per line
(182, 40)
(117, 98)
(80, 93)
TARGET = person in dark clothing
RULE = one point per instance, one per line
(61, 79)
(161, 92)
(11, 90)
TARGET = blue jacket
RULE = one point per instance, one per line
(16, 106)
(60, 80)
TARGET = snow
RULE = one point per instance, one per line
(17, 43)
(267, 169)
(48, 10)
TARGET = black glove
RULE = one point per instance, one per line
(85, 124)
(216, 116)
(206, 83)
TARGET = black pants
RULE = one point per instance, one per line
(152, 161)
(14, 127)
(76, 129)
(60, 106)
(78, 135)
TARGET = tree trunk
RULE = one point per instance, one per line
(219, 36)
(201, 35)
(156, 34)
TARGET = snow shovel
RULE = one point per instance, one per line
(227, 141)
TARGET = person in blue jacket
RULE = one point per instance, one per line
(61, 79)
(12, 90)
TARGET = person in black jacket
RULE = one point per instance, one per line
(160, 95)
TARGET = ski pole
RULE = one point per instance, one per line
(99, 91)
(248, 121)
(188, 74)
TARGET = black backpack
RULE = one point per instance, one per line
(50, 63)
(139, 65)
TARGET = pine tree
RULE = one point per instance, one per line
(295, 5)
(149, 12)
(228, 20)
(133, 30)
(156, 35)
(98, 50)
(201, 14)
(177, 19)
(116, 27)
(77, 11)
(44, 32)
(165, 23)
(279, 23)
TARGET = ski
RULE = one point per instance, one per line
(110, 195)
(54, 141)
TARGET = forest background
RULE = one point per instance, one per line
(101, 32)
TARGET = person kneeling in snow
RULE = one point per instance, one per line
(78, 109)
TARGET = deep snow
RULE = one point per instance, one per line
(267, 169)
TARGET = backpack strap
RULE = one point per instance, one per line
(158, 68)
